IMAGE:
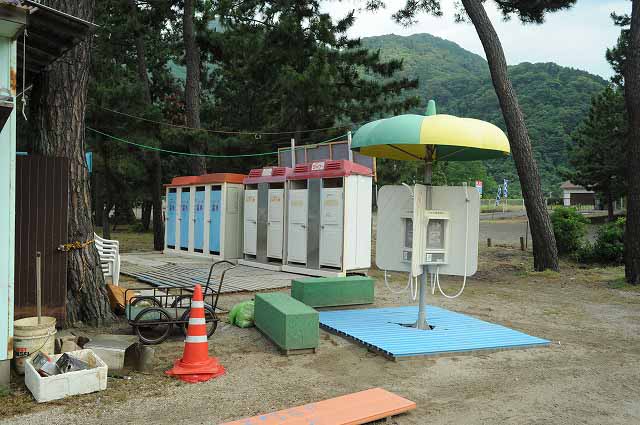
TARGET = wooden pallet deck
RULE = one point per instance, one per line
(164, 270)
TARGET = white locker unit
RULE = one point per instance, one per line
(328, 218)
(264, 217)
(250, 221)
(297, 226)
(204, 215)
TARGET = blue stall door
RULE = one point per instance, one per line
(214, 227)
(171, 219)
(198, 225)
(184, 220)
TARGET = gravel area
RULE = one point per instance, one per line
(589, 375)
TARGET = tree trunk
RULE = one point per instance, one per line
(632, 100)
(106, 224)
(192, 84)
(155, 165)
(158, 222)
(146, 215)
(545, 251)
(59, 106)
(106, 205)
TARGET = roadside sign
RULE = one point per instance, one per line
(479, 186)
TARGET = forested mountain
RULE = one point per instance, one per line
(553, 98)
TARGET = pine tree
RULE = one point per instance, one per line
(545, 253)
(61, 133)
(599, 150)
(631, 72)
(287, 65)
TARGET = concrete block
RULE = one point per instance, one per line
(119, 352)
(290, 324)
(333, 291)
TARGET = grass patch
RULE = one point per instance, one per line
(4, 391)
(129, 239)
(621, 284)
(546, 274)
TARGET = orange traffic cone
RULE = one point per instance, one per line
(195, 364)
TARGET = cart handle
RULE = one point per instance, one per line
(233, 266)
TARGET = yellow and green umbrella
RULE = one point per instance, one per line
(431, 137)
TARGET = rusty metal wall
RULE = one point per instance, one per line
(42, 203)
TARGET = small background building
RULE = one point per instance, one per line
(572, 195)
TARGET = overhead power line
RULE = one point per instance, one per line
(154, 148)
(228, 132)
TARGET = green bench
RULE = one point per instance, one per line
(290, 324)
(334, 291)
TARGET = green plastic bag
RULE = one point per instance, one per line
(241, 314)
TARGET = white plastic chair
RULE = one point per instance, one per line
(109, 251)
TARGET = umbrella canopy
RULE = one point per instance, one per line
(410, 137)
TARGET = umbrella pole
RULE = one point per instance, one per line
(422, 291)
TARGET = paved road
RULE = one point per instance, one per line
(502, 215)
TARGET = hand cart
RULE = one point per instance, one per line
(154, 314)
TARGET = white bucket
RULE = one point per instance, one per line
(29, 337)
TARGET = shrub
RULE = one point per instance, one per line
(609, 245)
(137, 227)
(569, 227)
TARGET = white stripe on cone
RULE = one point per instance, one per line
(196, 339)
(197, 304)
(197, 321)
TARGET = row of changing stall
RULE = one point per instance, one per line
(313, 219)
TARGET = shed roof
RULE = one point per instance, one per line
(567, 185)
(206, 179)
(50, 33)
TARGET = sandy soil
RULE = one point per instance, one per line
(589, 375)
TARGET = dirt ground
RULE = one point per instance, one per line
(590, 374)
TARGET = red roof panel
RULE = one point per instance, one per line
(329, 168)
(268, 175)
(206, 179)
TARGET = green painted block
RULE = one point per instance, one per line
(289, 323)
(334, 291)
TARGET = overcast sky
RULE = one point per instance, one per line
(577, 38)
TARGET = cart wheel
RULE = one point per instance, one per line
(151, 301)
(209, 316)
(182, 301)
(152, 325)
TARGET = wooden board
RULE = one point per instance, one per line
(351, 409)
(117, 297)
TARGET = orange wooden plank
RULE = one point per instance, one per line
(351, 409)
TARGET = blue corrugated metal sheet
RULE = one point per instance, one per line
(382, 330)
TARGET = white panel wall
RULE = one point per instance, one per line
(363, 223)
(232, 234)
(7, 200)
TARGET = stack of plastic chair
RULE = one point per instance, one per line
(109, 251)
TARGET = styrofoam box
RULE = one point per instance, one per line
(70, 383)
